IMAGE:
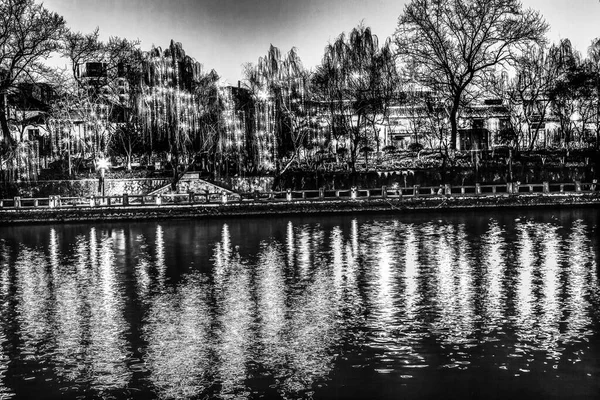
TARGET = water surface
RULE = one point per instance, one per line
(478, 305)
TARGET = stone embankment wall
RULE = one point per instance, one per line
(82, 187)
(112, 187)
(433, 176)
(260, 208)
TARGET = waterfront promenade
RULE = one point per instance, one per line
(354, 200)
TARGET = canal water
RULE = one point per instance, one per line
(431, 305)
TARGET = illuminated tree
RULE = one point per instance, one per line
(279, 87)
(95, 113)
(356, 80)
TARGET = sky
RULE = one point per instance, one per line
(225, 34)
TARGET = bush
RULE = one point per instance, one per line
(416, 147)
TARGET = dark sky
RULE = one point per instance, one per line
(224, 34)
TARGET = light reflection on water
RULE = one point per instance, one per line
(304, 309)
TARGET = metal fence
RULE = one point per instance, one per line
(354, 193)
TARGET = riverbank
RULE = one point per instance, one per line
(295, 207)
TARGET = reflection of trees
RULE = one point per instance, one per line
(5, 287)
(177, 331)
(108, 346)
(311, 332)
(454, 288)
(580, 281)
(524, 296)
(300, 314)
(550, 314)
(494, 269)
(382, 290)
(70, 313)
(33, 294)
(271, 305)
(310, 300)
(234, 318)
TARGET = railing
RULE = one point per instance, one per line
(354, 193)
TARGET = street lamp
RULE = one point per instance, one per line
(102, 166)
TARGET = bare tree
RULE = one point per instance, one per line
(455, 43)
(98, 98)
(573, 93)
(527, 94)
(28, 34)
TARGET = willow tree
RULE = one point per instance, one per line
(356, 80)
(29, 34)
(169, 109)
(454, 44)
(279, 86)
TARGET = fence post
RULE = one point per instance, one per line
(92, 201)
(288, 194)
(304, 194)
(478, 189)
(58, 201)
(494, 189)
(530, 188)
(353, 192)
(448, 189)
(462, 190)
(384, 192)
(158, 199)
(125, 199)
(546, 187)
(509, 187)
(17, 201)
(562, 188)
(223, 197)
(321, 192)
(578, 186)
(416, 190)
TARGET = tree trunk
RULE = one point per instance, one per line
(454, 125)
(4, 123)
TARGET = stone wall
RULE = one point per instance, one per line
(82, 187)
(433, 176)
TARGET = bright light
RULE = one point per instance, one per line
(103, 164)
(263, 95)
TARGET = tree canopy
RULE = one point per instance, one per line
(29, 33)
(453, 44)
